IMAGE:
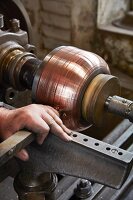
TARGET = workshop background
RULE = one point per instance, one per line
(89, 25)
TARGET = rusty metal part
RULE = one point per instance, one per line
(14, 9)
(62, 80)
(10, 95)
(93, 104)
(35, 187)
(84, 189)
(20, 37)
(126, 22)
(12, 59)
(120, 106)
(14, 25)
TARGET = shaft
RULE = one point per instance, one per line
(120, 106)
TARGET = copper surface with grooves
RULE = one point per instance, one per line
(62, 80)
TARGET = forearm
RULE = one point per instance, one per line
(4, 111)
(3, 115)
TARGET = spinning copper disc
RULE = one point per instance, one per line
(62, 80)
(93, 104)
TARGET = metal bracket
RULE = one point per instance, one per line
(83, 157)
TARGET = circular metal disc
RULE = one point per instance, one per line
(101, 87)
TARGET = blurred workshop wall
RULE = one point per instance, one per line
(62, 22)
(115, 43)
(115, 33)
(86, 24)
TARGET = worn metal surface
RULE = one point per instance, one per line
(14, 144)
(65, 188)
(35, 189)
(122, 137)
(120, 106)
(87, 155)
(12, 59)
(113, 194)
(93, 103)
(17, 11)
(83, 157)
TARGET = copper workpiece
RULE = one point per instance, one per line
(62, 80)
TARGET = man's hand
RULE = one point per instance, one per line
(37, 118)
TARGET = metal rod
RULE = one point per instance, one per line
(14, 144)
(120, 106)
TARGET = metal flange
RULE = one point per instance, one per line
(93, 104)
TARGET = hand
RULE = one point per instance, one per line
(37, 118)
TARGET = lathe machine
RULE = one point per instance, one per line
(79, 85)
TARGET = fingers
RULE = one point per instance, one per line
(56, 125)
(37, 118)
(68, 131)
(58, 121)
(23, 155)
(54, 110)
(39, 126)
(58, 131)
(43, 133)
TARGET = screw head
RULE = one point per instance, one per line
(84, 189)
(15, 25)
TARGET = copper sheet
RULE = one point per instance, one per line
(62, 80)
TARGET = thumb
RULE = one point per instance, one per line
(23, 155)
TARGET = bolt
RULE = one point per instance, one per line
(124, 101)
(1, 21)
(83, 183)
(84, 189)
(15, 25)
